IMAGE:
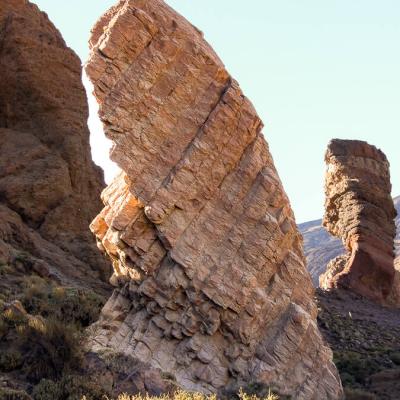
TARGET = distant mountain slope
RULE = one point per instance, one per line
(320, 247)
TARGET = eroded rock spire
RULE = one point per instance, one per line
(212, 285)
(360, 210)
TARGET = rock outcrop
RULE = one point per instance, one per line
(49, 186)
(320, 247)
(360, 210)
(212, 284)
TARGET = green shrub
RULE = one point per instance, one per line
(50, 349)
(355, 368)
(4, 328)
(23, 257)
(76, 306)
(69, 387)
(70, 305)
(6, 269)
(47, 389)
(395, 357)
(357, 394)
(11, 394)
(10, 360)
(34, 294)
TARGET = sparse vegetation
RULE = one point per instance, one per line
(5, 269)
(41, 333)
(69, 387)
(358, 394)
(12, 394)
(50, 349)
(185, 395)
(355, 368)
(10, 360)
(362, 349)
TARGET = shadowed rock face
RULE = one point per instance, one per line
(360, 210)
(212, 285)
(48, 182)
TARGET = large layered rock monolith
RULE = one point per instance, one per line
(212, 283)
(359, 209)
(49, 186)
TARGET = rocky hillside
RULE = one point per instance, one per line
(211, 291)
(320, 247)
(49, 186)
(53, 279)
(365, 339)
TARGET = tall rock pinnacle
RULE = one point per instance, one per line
(360, 210)
(212, 285)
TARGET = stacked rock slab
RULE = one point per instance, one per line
(49, 185)
(212, 285)
(359, 209)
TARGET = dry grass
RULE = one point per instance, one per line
(184, 395)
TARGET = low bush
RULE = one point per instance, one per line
(395, 357)
(357, 394)
(11, 394)
(71, 305)
(10, 360)
(355, 368)
(6, 269)
(50, 349)
(69, 387)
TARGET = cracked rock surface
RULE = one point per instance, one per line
(359, 209)
(49, 186)
(211, 283)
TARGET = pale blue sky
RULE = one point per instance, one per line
(314, 69)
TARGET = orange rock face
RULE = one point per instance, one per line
(360, 210)
(212, 285)
(48, 181)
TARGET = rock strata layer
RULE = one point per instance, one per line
(212, 284)
(49, 186)
(359, 209)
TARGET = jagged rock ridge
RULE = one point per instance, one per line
(212, 285)
(360, 210)
(49, 186)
